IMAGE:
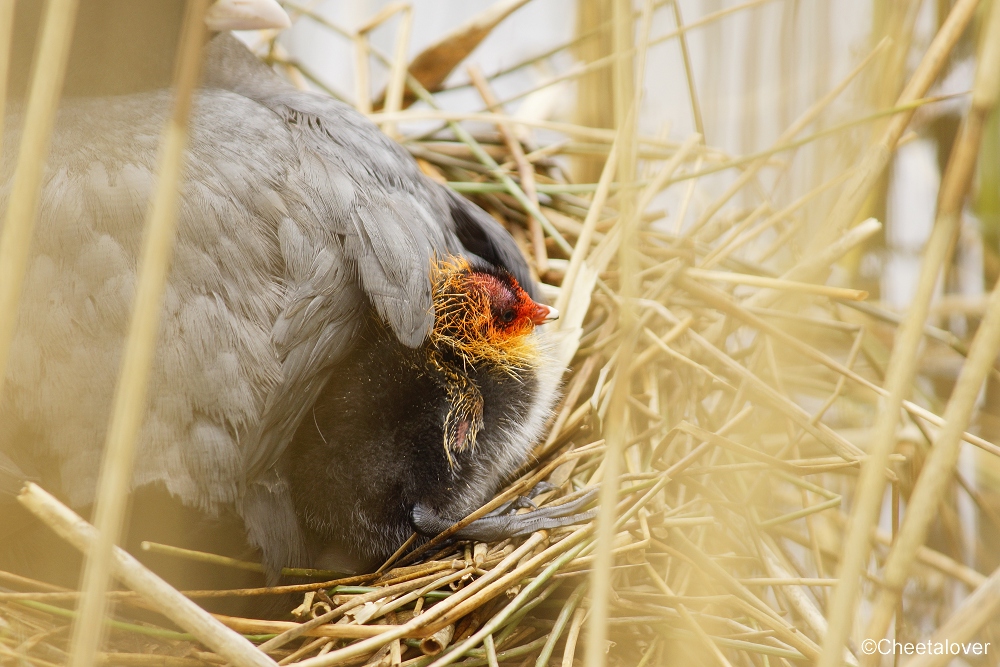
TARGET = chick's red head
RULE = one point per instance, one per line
(484, 314)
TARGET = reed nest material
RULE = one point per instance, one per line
(741, 416)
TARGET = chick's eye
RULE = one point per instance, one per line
(508, 315)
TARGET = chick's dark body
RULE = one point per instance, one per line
(372, 448)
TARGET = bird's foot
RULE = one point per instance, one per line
(502, 523)
(524, 502)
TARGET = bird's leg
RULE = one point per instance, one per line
(496, 527)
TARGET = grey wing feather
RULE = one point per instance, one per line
(389, 222)
(310, 335)
(247, 312)
(375, 243)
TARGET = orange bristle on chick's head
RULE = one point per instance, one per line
(484, 314)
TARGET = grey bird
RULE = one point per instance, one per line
(300, 306)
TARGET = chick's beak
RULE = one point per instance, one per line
(544, 314)
(246, 15)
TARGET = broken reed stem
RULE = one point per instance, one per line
(129, 406)
(22, 207)
(424, 584)
(508, 580)
(340, 656)
(163, 597)
(519, 601)
(940, 464)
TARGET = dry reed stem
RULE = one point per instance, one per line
(424, 584)
(722, 252)
(397, 75)
(6, 33)
(582, 69)
(362, 75)
(568, 289)
(203, 557)
(133, 574)
(524, 169)
(975, 611)
(803, 121)
(362, 51)
(129, 403)
(627, 98)
(361, 648)
(699, 123)
(569, 129)
(560, 625)
(724, 304)
(940, 465)
(491, 651)
(779, 284)
(796, 597)
(328, 630)
(901, 371)
(877, 156)
(706, 20)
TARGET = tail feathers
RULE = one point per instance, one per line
(272, 526)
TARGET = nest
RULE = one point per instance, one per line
(723, 397)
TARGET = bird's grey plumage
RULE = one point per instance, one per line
(296, 215)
